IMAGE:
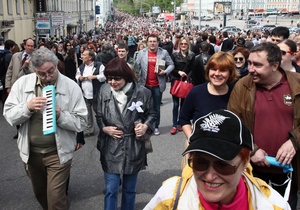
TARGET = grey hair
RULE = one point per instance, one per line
(41, 56)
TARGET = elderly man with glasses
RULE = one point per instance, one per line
(47, 158)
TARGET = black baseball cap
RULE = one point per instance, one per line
(240, 41)
(220, 134)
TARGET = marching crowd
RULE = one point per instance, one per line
(244, 106)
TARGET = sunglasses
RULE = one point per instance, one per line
(238, 58)
(285, 52)
(114, 78)
(221, 167)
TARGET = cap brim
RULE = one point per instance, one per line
(218, 148)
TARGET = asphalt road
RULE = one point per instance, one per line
(87, 180)
(281, 21)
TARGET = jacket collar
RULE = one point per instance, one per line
(291, 77)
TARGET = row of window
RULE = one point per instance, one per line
(21, 6)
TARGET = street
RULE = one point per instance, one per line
(87, 180)
(280, 21)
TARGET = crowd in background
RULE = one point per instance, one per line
(197, 54)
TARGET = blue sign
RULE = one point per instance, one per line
(97, 10)
(43, 25)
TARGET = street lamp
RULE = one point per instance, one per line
(145, 4)
(200, 15)
(174, 8)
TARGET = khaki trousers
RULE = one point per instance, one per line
(49, 179)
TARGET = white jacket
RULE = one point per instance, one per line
(72, 118)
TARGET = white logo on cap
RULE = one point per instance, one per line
(212, 122)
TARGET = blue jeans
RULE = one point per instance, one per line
(157, 96)
(176, 109)
(112, 182)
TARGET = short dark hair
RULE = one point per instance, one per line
(212, 39)
(9, 44)
(123, 45)
(273, 52)
(281, 31)
(119, 67)
(152, 35)
(91, 53)
(225, 34)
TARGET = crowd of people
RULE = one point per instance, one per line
(121, 75)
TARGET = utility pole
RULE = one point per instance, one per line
(80, 21)
(174, 13)
(199, 14)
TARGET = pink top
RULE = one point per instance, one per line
(240, 200)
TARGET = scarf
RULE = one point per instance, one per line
(120, 95)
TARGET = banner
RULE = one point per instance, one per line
(223, 8)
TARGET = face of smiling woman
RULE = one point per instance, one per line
(218, 77)
(215, 187)
(117, 83)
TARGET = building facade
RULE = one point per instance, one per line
(20, 19)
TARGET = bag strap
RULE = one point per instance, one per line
(177, 194)
(187, 78)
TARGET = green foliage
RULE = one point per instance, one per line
(134, 6)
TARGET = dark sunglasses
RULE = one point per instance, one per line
(238, 58)
(221, 167)
(285, 52)
(114, 78)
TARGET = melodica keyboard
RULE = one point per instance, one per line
(49, 113)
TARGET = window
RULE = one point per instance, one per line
(18, 9)
(25, 7)
(1, 8)
(9, 7)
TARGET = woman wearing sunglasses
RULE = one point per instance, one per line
(288, 51)
(125, 116)
(218, 175)
(240, 55)
(184, 64)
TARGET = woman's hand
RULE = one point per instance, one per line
(182, 73)
(113, 132)
(140, 129)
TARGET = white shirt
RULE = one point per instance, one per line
(86, 84)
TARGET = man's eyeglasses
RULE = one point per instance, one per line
(238, 58)
(285, 52)
(50, 73)
(109, 78)
(221, 167)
